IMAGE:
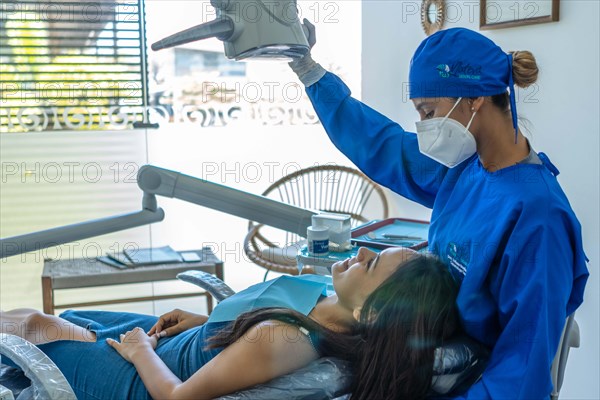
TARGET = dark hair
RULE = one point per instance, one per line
(392, 346)
(407, 317)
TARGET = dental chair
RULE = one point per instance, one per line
(457, 365)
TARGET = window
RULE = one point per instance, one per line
(195, 83)
(239, 124)
(71, 65)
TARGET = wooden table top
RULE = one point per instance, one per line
(86, 272)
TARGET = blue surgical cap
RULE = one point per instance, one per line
(459, 62)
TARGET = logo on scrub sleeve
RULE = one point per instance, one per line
(458, 260)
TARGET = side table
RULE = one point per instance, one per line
(80, 273)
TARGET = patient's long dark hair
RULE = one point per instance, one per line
(392, 346)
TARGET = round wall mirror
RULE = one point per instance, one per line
(432, 15)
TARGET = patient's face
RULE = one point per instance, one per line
(356, 278)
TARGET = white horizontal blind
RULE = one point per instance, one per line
(51, 180)
(71, 65)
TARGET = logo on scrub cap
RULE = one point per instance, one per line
(444, 70)
(460, 71)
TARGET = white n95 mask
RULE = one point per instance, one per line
(446, 140)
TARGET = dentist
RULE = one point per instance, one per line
(500, 220)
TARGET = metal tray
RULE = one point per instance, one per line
(414, 231)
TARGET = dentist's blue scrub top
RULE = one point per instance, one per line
(95, 371)
(509, 237)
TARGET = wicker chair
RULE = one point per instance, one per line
(326, 188)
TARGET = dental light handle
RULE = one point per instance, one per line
(221, 28)
(65, 234)
(242, 204)
(254, 29)
(305, 31)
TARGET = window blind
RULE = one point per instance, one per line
(71, 65)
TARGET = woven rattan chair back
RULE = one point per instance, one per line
(327, 188)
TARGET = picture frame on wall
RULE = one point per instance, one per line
(497, 14)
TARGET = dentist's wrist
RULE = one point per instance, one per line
(308, 70)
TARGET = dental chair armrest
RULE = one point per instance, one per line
(216, 287)
(47, 380)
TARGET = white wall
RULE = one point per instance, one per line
(563, 114)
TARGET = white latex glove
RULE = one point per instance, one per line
(309, 72)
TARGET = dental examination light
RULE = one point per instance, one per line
(162, 182)
(249, 29)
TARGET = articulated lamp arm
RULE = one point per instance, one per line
(157, 181)
(163, 182)
(16, 245)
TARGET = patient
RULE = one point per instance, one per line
(386, 316)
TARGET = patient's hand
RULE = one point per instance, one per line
(133, 342)
(175, 322)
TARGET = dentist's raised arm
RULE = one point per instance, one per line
(381, 148)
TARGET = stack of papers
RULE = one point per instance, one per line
(140, 257)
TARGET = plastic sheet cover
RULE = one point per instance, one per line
(47, 380)
(325, 378)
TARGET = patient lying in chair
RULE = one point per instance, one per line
(384, 313)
